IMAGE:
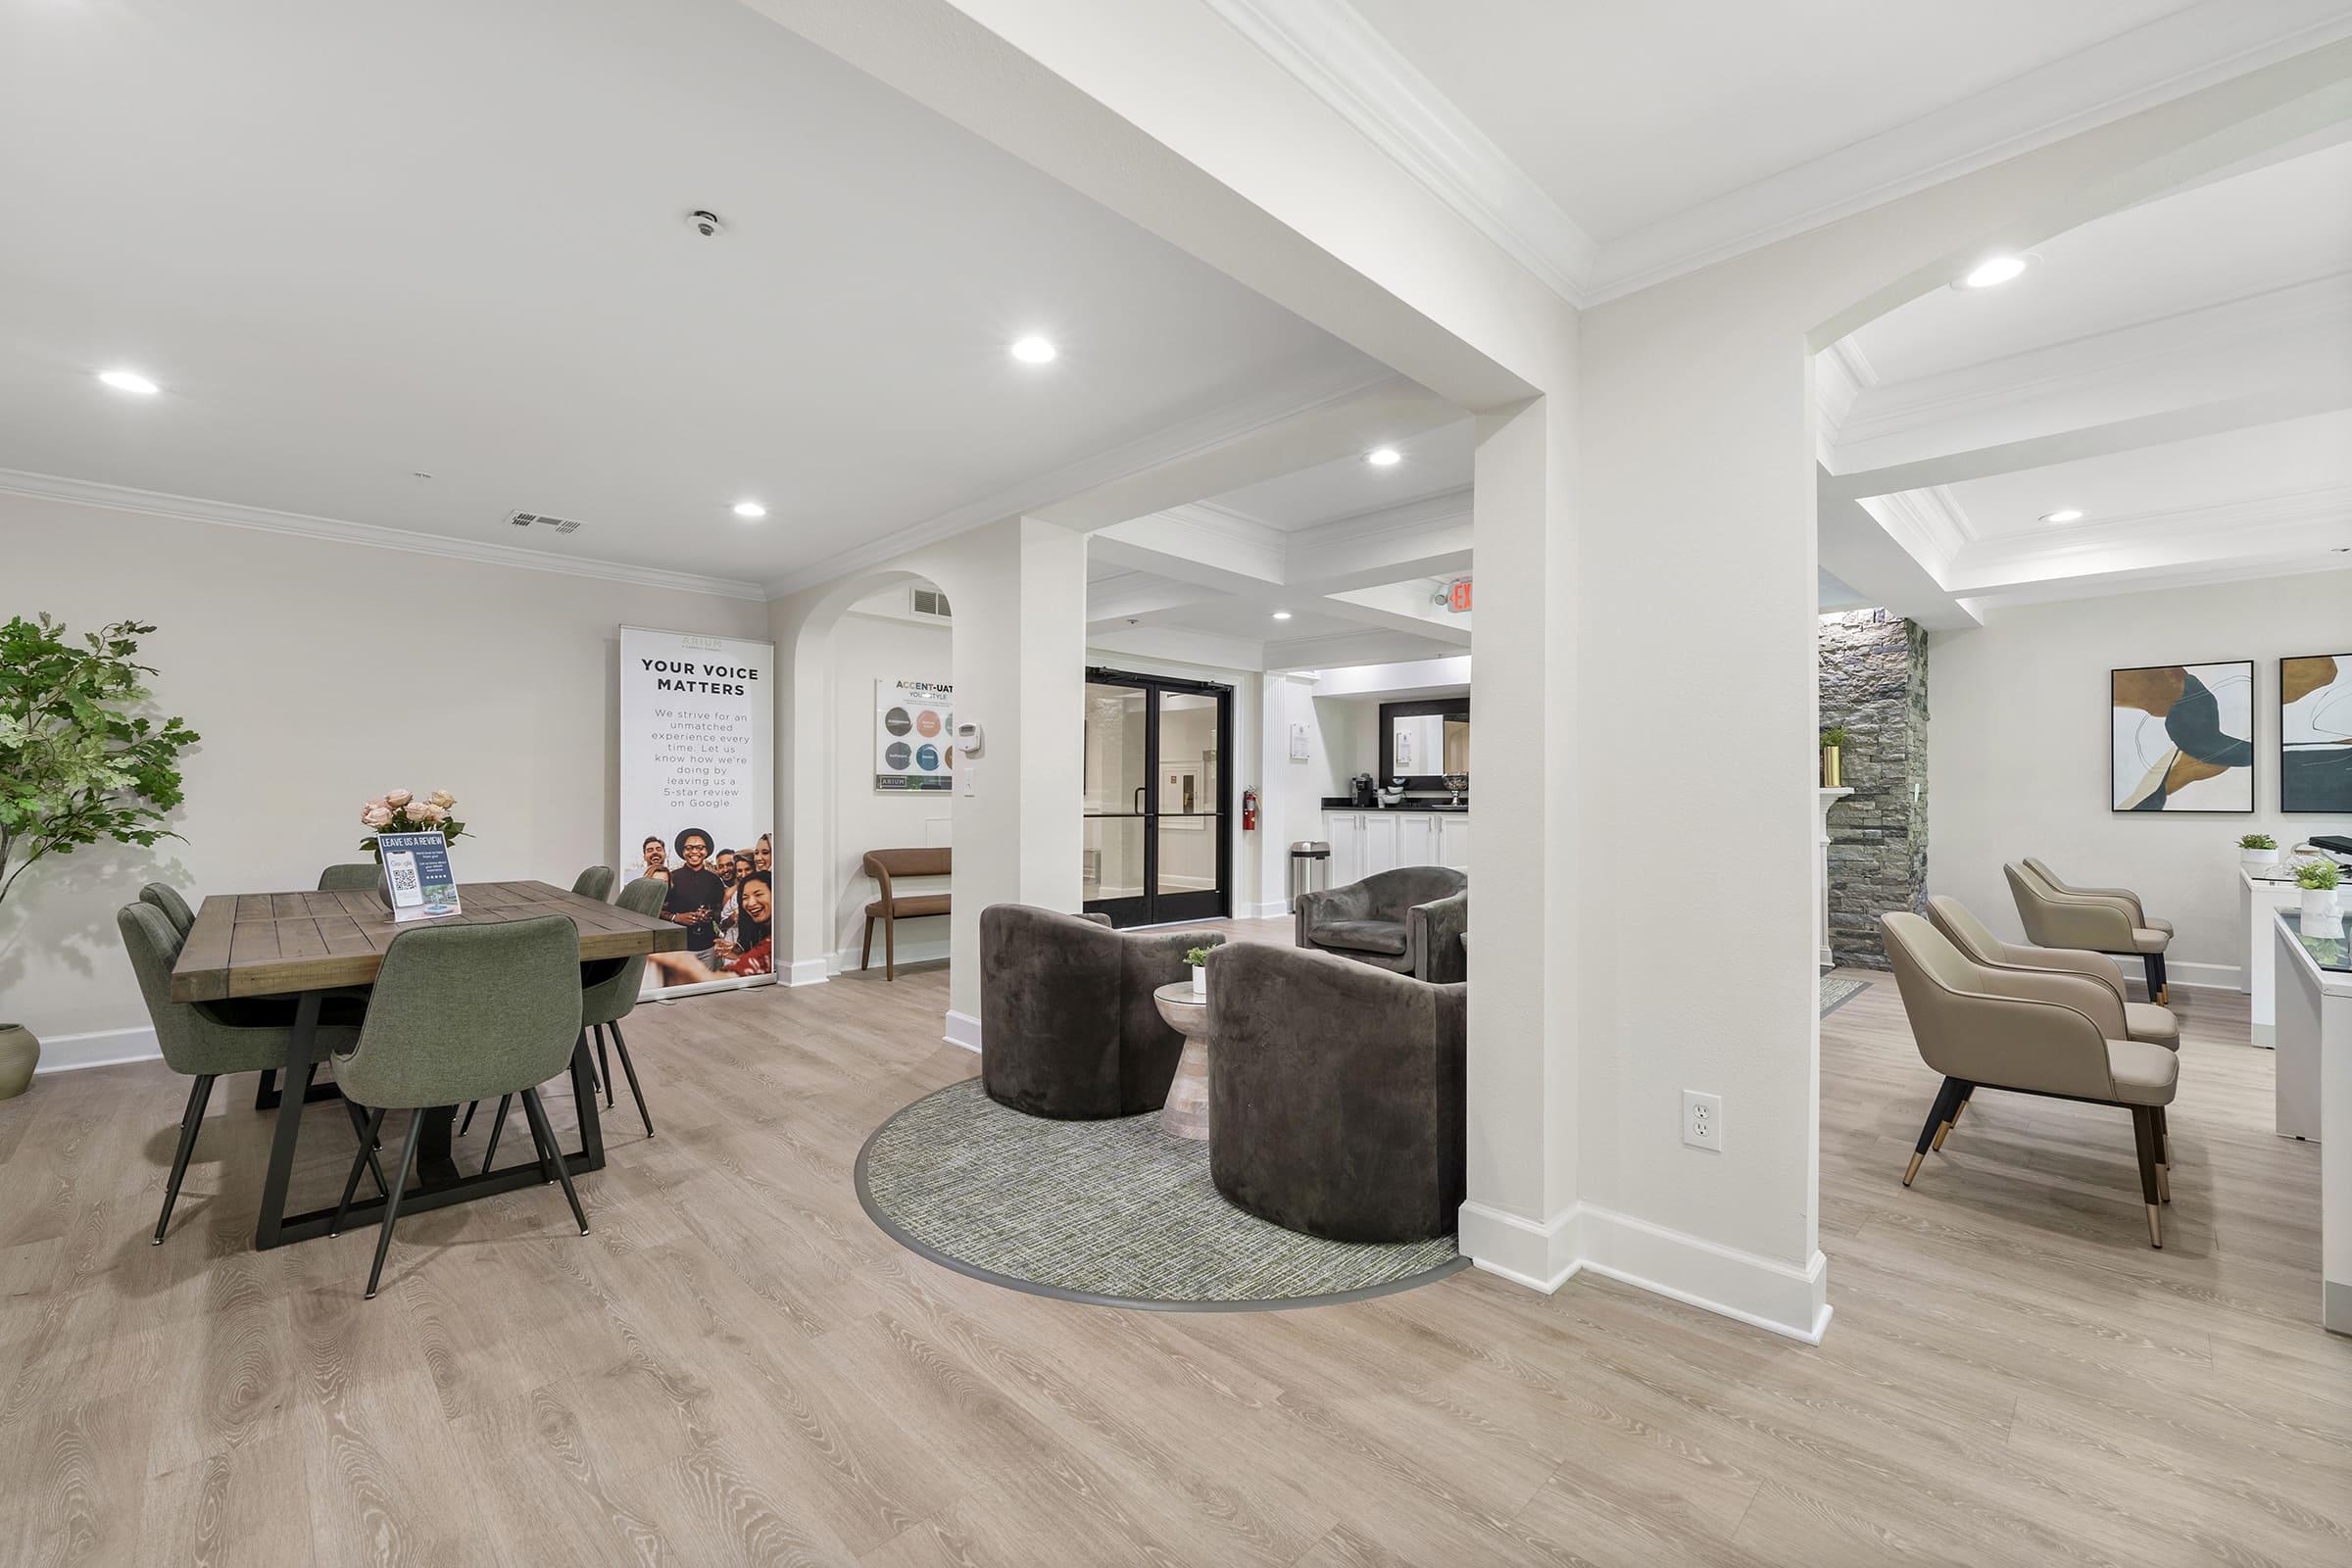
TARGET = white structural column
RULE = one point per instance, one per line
(1519, 1219)
(1821, 894)
(1270, 845)
(1019, 670)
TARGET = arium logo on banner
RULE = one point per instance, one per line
(698, 800)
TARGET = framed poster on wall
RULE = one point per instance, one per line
(2315, 734)
(698, 800)
(2183, 737)
(914, 737)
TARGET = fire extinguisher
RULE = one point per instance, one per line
(1248, 810)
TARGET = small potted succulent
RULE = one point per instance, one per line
(1832, 746)
(1198, 957)
(2318, 879)
(2258, 848)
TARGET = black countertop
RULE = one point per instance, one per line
(1341, 803)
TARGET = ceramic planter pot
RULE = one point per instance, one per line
(1199, 979)
(2319, 908)
(2258, 857)
(19, 1053)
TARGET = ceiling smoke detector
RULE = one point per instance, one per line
(706, 224)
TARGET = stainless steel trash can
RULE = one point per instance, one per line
(1310, 867)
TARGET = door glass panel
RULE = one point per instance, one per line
(1187, 829)
(1116, 779)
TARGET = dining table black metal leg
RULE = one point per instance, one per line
(361, 1125)
(584, 1097)
(301, 1043)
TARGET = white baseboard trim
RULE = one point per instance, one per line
(1541, 1255)
(1760, 1291)
(931, 951)
(807, 972)
(964, 1030)
(1274, 910)
(2195, 976)
(102, 1048)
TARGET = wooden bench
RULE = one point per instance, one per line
(891, 908)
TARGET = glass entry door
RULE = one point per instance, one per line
(1158, 797)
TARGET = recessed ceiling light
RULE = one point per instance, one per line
(1993, 271)
(130, 382)
(750, 509)
(1282, 614)
(2064, 514)
(1384, 456)
(1033, 351)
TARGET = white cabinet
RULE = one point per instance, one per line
(1345, 831)
(1452, 833)
(1365, 842)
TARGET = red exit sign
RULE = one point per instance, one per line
(1457, 596)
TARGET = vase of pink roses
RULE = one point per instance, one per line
(400, 812)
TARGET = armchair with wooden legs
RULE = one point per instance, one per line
(2106, 920)
(2142, 1021)
(2032, 1032)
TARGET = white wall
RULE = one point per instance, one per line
(2018, 752)
(868, 647)
(499, 685)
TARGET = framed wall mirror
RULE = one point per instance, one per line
(1423, 742)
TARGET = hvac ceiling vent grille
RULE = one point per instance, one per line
(524, 519)
(931, 602)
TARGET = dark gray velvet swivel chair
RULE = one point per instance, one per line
(204, 1040)
(358, 876)
(1409, 920)
(464, 1012)
(1068, 1026)
(1335, 1093)
(176, 908)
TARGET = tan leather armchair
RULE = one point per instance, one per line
(2142, 1021)
(2031, 1032)
(2106, 920)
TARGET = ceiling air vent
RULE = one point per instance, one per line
(524, 519)
(931, 602)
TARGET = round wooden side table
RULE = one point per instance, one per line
(1186, 1113)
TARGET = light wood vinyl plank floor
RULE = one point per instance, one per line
(736, 1366)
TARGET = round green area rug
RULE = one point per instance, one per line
(1114, 1214)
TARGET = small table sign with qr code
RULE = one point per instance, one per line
(417, 881)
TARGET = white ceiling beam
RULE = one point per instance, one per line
(1369, 647)
(1862, 554)
(1399, 607)
(1340, 427)
(2324, 395)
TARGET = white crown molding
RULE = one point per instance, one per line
(1345, 61)
(1841, 373)
(2262, 328)
(230, 515)
(1227, 422)
(1928, 524)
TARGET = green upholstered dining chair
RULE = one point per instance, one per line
(359, 876)
(595, 883)
(607, 991)
(461, 1013)
(176, 908)
(205, 1039)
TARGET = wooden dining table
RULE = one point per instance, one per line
(303, 946)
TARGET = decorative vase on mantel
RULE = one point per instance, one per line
(19, 1053)
(1829, 767)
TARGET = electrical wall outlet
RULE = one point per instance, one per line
(1702, 1120)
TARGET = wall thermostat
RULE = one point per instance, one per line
(967, 740)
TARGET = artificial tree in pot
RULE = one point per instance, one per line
(82, 762)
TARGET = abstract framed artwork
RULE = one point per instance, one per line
(2315, 734)
(2182, 738)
